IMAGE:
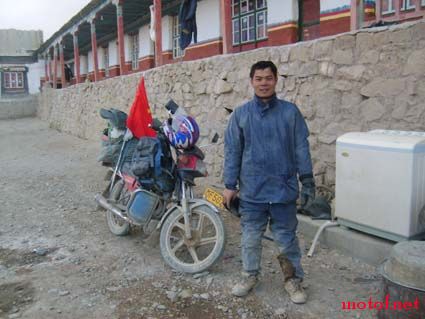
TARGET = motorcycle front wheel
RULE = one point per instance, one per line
(119, 197)
(201, 251)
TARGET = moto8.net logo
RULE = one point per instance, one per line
(381, 305)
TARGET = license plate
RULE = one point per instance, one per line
(214, 197)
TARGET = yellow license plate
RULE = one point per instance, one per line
(214, 197)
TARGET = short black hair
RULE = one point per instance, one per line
(261, 65)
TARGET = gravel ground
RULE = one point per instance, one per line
(59, 260)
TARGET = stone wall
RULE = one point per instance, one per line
(18, 107)
(374, 78)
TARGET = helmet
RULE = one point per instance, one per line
(183, 133)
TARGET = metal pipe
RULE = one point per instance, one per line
(104, 203)
(316, 237)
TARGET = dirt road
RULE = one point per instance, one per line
(59, 260)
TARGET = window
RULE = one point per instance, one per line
(14, 80)
(135, 52)
(407, 5)
(177, 51)
(106, 60)
(387, 7)
(249, 20)
(423, 3)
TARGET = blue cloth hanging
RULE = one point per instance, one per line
(187, 18)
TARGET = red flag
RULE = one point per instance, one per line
(140, 114)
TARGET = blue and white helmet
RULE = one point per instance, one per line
(186, 132)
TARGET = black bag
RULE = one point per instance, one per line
(152, 164)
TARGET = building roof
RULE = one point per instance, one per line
(136, 13)
(19, 42)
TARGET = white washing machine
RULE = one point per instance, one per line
(380, 183)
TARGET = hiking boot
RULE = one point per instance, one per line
(246, 284)
(295, 291)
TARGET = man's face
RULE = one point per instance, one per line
(264, 83)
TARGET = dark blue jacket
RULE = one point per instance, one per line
(265, 147)
(187, 18)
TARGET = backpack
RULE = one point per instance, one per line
(153, 165)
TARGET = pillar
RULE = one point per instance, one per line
(76, 58)
(62, 65)
(158, 32)
(226, 24)
(120, 32)
(55, 67)
(94, 50)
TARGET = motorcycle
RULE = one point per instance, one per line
(191, 231)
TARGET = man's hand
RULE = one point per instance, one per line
(228, 196)
(308, 192)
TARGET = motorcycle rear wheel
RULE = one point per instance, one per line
(201, 251)
(117, 225)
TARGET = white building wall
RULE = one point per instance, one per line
(113, 53)
(279, 11)
(35, 72)
(208, 20)
(146, 45)
(83, 64)
(167, 35)
(90, 62)
(127, 47)
(331, 5)
(101, 57)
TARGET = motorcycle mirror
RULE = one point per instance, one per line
(171, 106)
(215, 138)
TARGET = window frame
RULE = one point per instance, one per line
(390, 8)
(135, 52)
(249, 33)
(175, 38)
(18, 81)
(407, 5)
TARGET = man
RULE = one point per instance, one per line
(266, 148)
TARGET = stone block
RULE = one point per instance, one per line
(331, 133)
(345, 42)
(300, 52)
(343, 85)
(354, 72)
(364, 42)
(415, 63)
(418, 31)
(342, 56)
(400, 36)
(384, 87)
(284, 54)
(322, 50)
(368, 57)
(372, 110)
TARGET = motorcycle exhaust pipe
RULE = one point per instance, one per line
(104, 203)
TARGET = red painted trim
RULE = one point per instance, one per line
(146, 63)
(204, 50)
(288, 33)
(114, 71)
(167, 57)
(335, 26)
(158, 33)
